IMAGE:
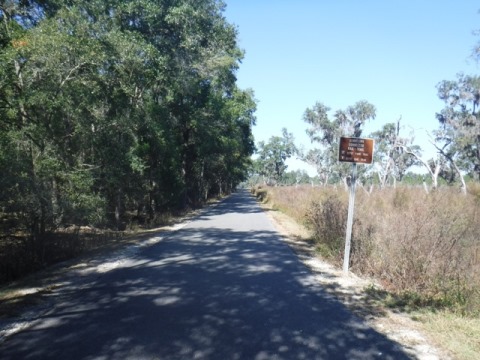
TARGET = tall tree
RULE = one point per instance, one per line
(327, 132)
(323, 161)
(391, 159)
(48, 67)
(459, 133)
(111, 106)
(273, 155)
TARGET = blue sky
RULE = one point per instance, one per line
(390, 53)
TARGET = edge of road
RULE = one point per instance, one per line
(36, 290)
(352, 291)
(24, 300)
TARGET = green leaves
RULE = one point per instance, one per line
(327, 131)
(459, 135)
(114, 106)
(273, 155)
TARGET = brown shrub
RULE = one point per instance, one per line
(412, 242)
(474, 190)
(260, 193)
(422, 243)
(328, 218)
(294, 201)
(424, 235)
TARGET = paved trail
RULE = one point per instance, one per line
(225, 286)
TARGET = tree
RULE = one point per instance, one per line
(225, 157)
(273, 155)
(327, 132)
(433, 166)
(391, 159)
(110, 107)
(49, 69)
(295, 177)
(459, 133)
(324, 163)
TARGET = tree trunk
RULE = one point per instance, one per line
(425, 187)
(433, 174)
(119, 210)
(345, 183)
(454, 164)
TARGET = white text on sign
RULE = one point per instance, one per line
(357, 150)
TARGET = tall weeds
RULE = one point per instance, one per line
(426, 245)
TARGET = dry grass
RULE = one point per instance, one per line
(421, 244)
(424, 247)
(459, 334)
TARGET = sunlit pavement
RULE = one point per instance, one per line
(222, 287)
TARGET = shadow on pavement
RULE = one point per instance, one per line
(203, 293)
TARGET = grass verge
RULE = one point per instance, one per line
(460, 335)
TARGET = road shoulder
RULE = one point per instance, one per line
(353, 292)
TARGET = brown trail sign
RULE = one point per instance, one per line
(353, 150)
(356, 150)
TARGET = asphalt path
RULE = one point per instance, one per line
(225, 286)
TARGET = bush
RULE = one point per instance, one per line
(424, 245)
(328, 219)
(260, 193)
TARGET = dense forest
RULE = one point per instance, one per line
(112, 108)
(113, 114)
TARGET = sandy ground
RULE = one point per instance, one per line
(350, 289)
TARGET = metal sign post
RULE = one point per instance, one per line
(351, 207)
(353, 150)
